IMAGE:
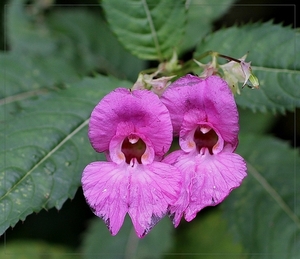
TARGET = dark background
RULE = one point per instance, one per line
(67, 225)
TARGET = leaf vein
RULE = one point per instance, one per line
(152, 28)
(275, 70)
(274, 194)
(51, 152)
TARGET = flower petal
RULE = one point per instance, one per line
(192, 120)
(176, 99)
(177, 210)
(211, 96)
(144, 191)
(124, 130)
(208, 180)
(140, 108)
(153, 188)
(105, 187)
(221, 108)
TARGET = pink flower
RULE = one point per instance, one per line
(134, 129)
(205, 117)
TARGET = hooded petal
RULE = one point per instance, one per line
(153, 188)
(140, 108)
(208, 180)
(105, 187)
(176, 99)
(211, 96)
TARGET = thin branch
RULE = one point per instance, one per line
(22, 96)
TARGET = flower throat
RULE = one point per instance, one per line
(133, 148)
(205, 140)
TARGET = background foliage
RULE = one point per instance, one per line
(59, 59)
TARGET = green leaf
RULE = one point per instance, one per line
(254, 122)
(264, 212)
(79, 50)
(98, 243)
(272, 51)
(24, 249)
(46, 148)
(26, 77)
(149, 29)
(85, 40)
(200, 17)
(77, 35)
(27, 32)
(206, 237)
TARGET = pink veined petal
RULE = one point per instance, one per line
(140, 108)
(153, 188)
(211, 96)
(115, 147)
(173, 157)
(105, 187)
(144, 191)
(207, 180)
(183, 161)
(175, 98)
(220, 108)
(215, 176)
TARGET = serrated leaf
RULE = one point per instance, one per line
(90, 45)
(200, 17)
(79, 50)
(98, 243)
(149, 29)
(46, 148)
(272, 50)
(264, 213)
(77, 35)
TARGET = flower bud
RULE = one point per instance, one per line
(239, 71)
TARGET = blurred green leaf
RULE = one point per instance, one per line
(148, 29)
(46, 148)
(77, 35)
(25, 78)
(272, 50)
(83, 44)
(255, 122)
(200, 16)
(24, 249)
(86, 42)
(27, 30)
(263, 213)
(98, 243)
(206, 237)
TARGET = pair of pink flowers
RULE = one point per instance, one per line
(135, 129)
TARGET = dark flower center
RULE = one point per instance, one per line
(207, 140)
(133, 149)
